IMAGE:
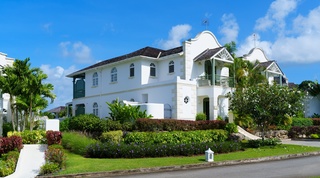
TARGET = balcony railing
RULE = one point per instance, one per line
(219, 80)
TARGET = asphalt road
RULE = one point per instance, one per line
(298, 167)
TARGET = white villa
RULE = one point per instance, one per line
(177, 83)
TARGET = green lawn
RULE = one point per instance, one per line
(79, 164)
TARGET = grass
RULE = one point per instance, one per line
(79, 164)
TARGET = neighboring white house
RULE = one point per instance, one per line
(177, 83)
(5, 97)
(272, 71)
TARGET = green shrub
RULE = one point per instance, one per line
(49, 168)
(231, 128)
(258, 143)
(315, 136)
(201, 117)
(176, 137)
(296, 132)
(110, 125)
(31, 137)
(7, 127)
(109, 150)
(76, 142)
(87, 123)
(8, 163)
(112, 136)
(302, 122)
(64, 125)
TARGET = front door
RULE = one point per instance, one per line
(206, 107)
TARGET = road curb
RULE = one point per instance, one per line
(183, 167)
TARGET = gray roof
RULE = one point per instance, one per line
(207, 54)
(147, 51)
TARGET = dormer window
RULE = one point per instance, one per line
(152, 70)
(114, 74)
(132, 70)
(171, 67)
(95, 79)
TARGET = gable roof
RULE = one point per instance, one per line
(146, 51)
(270, 65)
(207, 54)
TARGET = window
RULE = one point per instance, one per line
(95, 79)
(152, 70)
(95, 109)
(132, 70)
(171, 67)
(114, 74)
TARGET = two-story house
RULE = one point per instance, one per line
(177, 83)
(271, 69)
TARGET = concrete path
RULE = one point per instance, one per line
(30, 160)
(315, 143)
(247, 135)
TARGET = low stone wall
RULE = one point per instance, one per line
(280, 134)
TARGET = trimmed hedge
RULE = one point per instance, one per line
(109, 150)
(76, 142)
(176, 137)
(298, 132)
(177, 125)
(112, 136)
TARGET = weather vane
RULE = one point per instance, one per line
(205, 22)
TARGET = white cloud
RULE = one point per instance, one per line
(176, 34)
(275, 17)
(229, 29)
(252, 42)
(80, 52)
(62, 85)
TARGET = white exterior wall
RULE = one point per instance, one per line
(256, 54)
(6, 61)
(311, 106)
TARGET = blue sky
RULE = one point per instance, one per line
(62, 36)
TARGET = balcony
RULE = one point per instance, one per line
(219, 80)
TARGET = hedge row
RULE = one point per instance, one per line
(298, 132)
(296, 121)
(177, 125)
(176, 137)
(10, 143)
(8, 163)
(109, 150)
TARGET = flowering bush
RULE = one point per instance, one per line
(53, 137)
(110, 150)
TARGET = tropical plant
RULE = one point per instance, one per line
(125, 113)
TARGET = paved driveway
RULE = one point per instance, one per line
(315, 143)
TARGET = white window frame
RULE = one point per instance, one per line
(95, 109)
(95, 79)
(131, 70)
(171, 67)
(153, 70)
(114, 77)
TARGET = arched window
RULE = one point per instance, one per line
(114, 74)
(95, 79)
(95, 109)
(132, 70)
(171, 67)
(152, 70)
